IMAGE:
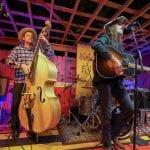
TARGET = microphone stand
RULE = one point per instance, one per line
(138, 58)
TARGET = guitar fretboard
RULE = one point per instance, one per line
(139, 67)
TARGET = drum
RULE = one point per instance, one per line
(76, 114)
(126, 129)
(85, 105)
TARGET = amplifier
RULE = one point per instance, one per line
(143, 99)
(144, 116)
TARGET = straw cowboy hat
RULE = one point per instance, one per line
(24, 30)
(119, 20)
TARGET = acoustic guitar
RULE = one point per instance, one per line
(105, 69)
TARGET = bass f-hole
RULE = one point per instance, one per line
(41, 100)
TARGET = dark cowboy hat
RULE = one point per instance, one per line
(119, 20)
(24, 30)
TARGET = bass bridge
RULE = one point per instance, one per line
(28, 100)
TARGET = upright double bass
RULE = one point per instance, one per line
(39, 108)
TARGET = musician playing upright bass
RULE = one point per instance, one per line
(108, 87)
(20, 58)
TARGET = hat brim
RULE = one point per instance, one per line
(119, 20)
(24, 30)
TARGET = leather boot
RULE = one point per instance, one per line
(118, 144)
(32, 136)
(107, 148)
(15, 134)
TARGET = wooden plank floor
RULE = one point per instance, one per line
(51, 140)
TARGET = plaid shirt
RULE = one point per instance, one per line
(21, 55)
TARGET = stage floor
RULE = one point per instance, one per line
(53, 140)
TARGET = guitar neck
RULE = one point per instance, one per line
(139, 67)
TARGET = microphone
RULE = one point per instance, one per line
(133, 24)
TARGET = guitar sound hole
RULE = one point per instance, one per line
(124, 64)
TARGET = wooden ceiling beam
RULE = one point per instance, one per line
(8, 30)
(147, 23)
(23, 25)
(60, 20)
(141, 12)
(70, 40)
(145, 47)
(138, 39)
(58, 47)
(108, 3)
(138, 29)
(133, 43)
(64, 24)
(40, 2)
(56, 38)
(30, 12)
(121, 9)
(70, 20)
(47, 7)
(82, 26)
(96, 1)
(87, 36)
(128, 10)
(51, 15)
(129, 36)
(99, 7)
(10, 15)
(45, 18)
(8, 41)
(144, 44)
(67, 10)
(33, 16)
(132, 19)
(1, 32)
(52, 9)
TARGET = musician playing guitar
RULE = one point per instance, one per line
(108, 85)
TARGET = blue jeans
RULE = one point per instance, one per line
(118, 91)
(17, 90)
